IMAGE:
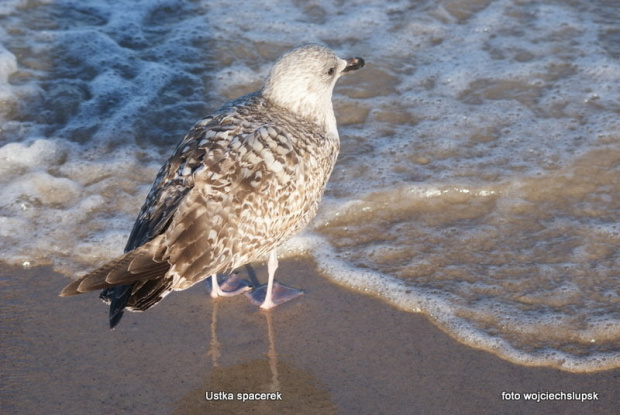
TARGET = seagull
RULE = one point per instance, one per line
(240, 183)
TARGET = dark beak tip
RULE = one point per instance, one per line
(353, 64)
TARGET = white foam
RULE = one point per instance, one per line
(8, 66)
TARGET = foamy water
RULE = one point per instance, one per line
(478, 179)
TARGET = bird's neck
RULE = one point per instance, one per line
(308, 107)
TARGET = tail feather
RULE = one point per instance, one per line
(136, 281)
(148, 293)
(136, 265)
(117, 297)
(138, 296)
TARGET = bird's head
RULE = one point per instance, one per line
(302, 82)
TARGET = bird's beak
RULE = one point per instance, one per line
(353, 64)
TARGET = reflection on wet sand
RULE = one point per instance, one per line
(268, 384)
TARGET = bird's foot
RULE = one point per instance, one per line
(280, 294)
(228, 285)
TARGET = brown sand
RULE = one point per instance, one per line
(332, 351)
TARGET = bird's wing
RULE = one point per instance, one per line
(144, 254)
(175, 180)
(229, 217)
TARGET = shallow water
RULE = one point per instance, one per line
(478, 179)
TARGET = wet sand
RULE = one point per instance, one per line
(332, 351)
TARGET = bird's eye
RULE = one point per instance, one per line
(331, 71)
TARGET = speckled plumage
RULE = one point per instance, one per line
(239, 184)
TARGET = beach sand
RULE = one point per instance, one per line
(332, 351)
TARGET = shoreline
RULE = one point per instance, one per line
(332, 350)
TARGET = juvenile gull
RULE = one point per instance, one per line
(240, 183)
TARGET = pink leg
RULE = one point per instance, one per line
(227, 285)
(274, 293)
(272, 266)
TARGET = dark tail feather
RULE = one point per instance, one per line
(136, 280)
(117, 297)
(139, 296)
